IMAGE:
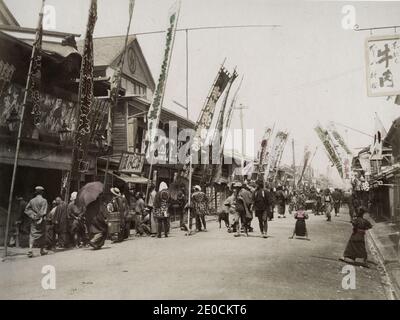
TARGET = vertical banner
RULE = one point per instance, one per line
(263, 159)
(35, 78)
(85, 93)
(207, 113)
(332, 154)
(153, 116)
(276, 153)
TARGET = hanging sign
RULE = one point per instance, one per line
(383, 65)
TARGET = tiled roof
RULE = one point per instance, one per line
(106, 49)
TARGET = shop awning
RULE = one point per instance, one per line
(133, 178)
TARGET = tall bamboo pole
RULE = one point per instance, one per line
(21, 123)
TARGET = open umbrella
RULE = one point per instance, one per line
(89, 193)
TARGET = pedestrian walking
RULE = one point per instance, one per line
(247, 196)
(50, 232)
(337, 200)
(120, 205)
(261, 206)
(96, 214)
(36, 210)
(76, 221)
(327, 204)
(139, 212)
(301, 215)
(356, 245)
(23, 222)
(161, 206)
(200, 208)
(237, 209)
(61, 225)
(281, 202)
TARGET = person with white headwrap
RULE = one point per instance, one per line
(200, 208)
(75, 218)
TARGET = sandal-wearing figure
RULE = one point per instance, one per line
(356, 245)
(301, 215)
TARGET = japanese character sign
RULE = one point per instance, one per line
(383, 65)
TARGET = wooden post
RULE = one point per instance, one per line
(21, 123)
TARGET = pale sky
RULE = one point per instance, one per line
(308, 70)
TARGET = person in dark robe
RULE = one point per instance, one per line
(36, 210)
(76, 221)
(50, 232)
(301, 215)
(120, 204)
(61, 226)
(261, 205)
(23, 222)
(337, 200)
(356, 245)
(96, 214)
(281, 202)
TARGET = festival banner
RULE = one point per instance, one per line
(153, 116)
(332, 154)
(276, 153)
(33, 105)
(263, 159)
(207, 113)
(336, 135)
(307, 155)
(86, 90)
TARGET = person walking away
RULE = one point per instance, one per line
(36, 210)
(236, 206)
(178, 207)
(61, 224)
(23, 222)
(301, 215)
(75, 217)
(247, 196)
(356, 245)
(281, 202)
(337, 201)
(50, 233)
(120, 205)
(261, 205)
(161, 206)
(139, 212)
(96, 214)
(200, 208)
(327, 204)
(150, 205)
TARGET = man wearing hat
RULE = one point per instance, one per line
(236, 206)
(36, 210)
(120, 204)
(200, 208)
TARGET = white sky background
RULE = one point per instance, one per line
(309, 69)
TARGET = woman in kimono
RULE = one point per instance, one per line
(161, 209)
(356, 246)
(301, 215)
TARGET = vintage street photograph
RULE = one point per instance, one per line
(199, 150)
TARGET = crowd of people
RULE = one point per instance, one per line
(65, 225)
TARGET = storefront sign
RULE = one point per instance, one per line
(383, 65)
(131, 162)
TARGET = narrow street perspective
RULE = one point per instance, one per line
(206, 265)
(199, 150)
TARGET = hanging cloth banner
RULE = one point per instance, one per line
(336, 135)
(263, 159)
(153, 116)
(326, 141)
(86, 90)
(276, 153)
(207, 113)
(307, 154)
(36, 71)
